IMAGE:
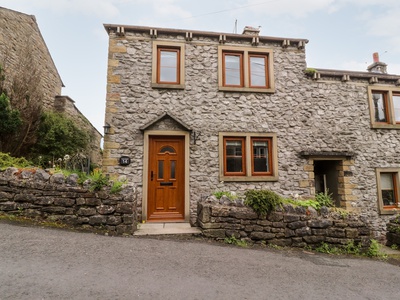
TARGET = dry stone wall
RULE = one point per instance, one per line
(287, 226)
(36, 193)
(393, 232)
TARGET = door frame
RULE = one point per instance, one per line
(171, 133)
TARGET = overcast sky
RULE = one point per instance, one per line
(342, 34)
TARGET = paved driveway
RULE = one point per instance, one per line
(39, 263)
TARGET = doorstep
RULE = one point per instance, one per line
(166, 228)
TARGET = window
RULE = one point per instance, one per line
(245, 69)
(248, 157)
(384, 107)
(168, 65)
(388, 187)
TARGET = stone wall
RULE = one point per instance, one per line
(393, 232)
(287, 226)
(20, 38)
(36, 193)
(325, 115)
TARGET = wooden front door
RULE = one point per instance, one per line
(166, 178)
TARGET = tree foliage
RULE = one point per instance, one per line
(10, 120)
(22, 86)
(57, 136)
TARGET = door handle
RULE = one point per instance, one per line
(151, 175)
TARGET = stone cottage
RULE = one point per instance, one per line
(20, 41)
(190, 112)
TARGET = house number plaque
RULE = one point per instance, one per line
(124, 160)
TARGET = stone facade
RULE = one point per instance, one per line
(20, 40)
(287, 226)
(393, 232)
(36, 193)
(321, 119)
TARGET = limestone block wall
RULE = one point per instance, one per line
(35, 193)
(287, 226)
(324, 115)
(20, 36)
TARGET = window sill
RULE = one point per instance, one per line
(248, 178)
(385, 126)
(246, 90)
(168, 86)
(389, 211)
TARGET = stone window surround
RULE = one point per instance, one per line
(248, 174)
(166, 44)
(382, 209)
(389, 90)
(246, 75)
(345, 188)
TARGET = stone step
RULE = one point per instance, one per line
(166, 228)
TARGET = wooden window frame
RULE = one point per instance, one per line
(269, 157)
(240, 55)
(265, 56)
(161, 49)
(386, 209)
(158, 46)
(388, 93)
(247, 53)
(249, 174)
(243, 140)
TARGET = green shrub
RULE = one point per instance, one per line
(324, 199)
(117, 186)
(374, 250)
(98, 180)
(8, 161)
(234, 241)
(230, 195)
(262, 201)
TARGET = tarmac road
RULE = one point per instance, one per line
(42, 263)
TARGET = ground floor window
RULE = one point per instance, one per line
(388, 187)
(248, 156)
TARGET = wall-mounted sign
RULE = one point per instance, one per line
(124, 160)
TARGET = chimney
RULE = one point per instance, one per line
(377, 66)
(248, 30)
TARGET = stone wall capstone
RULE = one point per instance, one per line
(36, 193)
(287, 226)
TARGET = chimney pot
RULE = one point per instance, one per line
(248, 30)
(375, 56)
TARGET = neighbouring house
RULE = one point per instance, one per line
(20, 41)
(190, 112)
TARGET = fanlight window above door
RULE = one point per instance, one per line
(168, 149)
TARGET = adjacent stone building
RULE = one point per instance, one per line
(21, 43)
(192, 112)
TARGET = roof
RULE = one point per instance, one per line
(133, 28)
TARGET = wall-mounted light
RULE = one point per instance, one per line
(196, 136)
(107, 128)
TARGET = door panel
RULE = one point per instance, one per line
(166, 186)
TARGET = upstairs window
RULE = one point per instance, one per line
(168, 65)
(245, 69)
(384, 107)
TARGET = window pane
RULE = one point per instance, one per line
(387, 188)
(260, 156)
(257, 71)
(160, 169)
(167, 149)
(168, 66)
(396, 104)
(380, 107)
(232, 70)
(173, 165)
(234, 156)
